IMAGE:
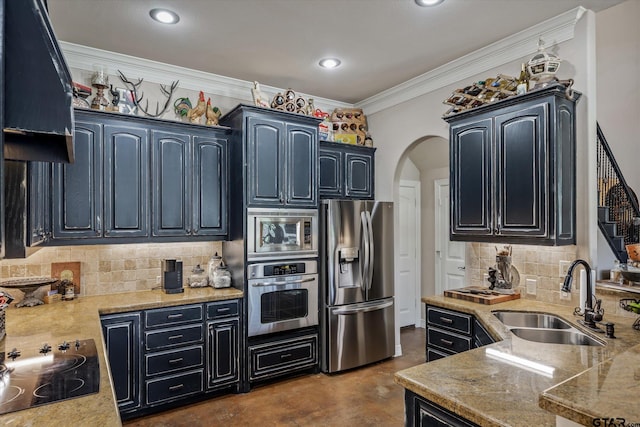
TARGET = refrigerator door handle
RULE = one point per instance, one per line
(365, 242)
(371, 250)
(361, 308)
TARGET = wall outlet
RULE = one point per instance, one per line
(531, 285)
(564, 267)
(564, 295)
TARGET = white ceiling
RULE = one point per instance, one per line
(381, 43)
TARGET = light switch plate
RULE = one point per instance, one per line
(532, 285)
(564, 295)
(563, 268)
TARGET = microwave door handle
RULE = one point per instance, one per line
(371, 250)
(364, 266)
(281, 283)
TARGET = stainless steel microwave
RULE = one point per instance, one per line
(282, 233)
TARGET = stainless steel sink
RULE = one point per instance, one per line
(523, 319)
(544, 328)
(555, 336)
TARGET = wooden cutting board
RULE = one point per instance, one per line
(480, 298)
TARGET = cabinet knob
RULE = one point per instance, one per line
(189, 231)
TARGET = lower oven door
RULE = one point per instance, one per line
(280, 304)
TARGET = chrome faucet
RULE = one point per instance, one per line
(591, 314)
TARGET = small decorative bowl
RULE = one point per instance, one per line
(634, 251)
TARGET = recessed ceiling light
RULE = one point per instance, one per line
(428, 2)
(329, 63)
(164, 16)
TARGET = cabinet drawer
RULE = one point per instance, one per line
(448, 341)
(219, 310)
(175, 360)
(277, 358)
(433, 354)
(174, 336)
(173, 316)
(169, 388)
(448, 319)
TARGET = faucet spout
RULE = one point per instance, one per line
(566, 287)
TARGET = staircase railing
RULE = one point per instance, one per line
(615, 193)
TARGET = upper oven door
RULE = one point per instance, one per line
(282, 233)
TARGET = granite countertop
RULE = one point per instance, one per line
(30, 327)
(491, 392)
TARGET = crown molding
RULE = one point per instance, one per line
(555, 30)
(85, 58)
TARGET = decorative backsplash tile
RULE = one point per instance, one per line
(107, 269)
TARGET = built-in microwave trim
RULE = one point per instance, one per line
(281, 251)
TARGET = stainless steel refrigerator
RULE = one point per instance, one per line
(356, 282)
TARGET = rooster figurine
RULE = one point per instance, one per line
(212, 114)
(182, 107)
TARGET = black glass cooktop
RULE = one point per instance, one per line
(33, 377)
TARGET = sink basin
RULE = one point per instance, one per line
(523, 319)
(555, 336)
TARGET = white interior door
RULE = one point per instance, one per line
(450, 256)
(408, 276)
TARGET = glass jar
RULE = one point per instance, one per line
(214, 262)
(198, 277)
(221, 276)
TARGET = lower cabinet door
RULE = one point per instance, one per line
(166, 389)
(122, 338)
(222, 352)
(422, 413)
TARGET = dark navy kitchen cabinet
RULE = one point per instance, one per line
(512, 169)
(223, 329)
(189, 183)
(170, 161)
(126, 181)
(346, 171)
(77, 187)
(281, 152)
(123, 342)
(39, 181)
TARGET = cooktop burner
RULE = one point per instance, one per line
(48, 375)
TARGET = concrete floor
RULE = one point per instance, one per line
(361, 397)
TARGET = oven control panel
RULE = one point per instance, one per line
(256, 271)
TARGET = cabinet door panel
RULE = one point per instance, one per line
(470, 178)
(39, 181)
(171, 184)
(302, 154)
(77, 187)
(522, 165)
(122, 339)
(358, 175)
(265, 161)
(331, 174)
(126, 182)
(222, 349)
(210, 186)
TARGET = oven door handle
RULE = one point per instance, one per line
(290, 282)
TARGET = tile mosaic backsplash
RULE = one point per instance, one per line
(107, 269)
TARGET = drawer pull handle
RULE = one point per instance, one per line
(285, 356)
(174, 361)
(175, 316)
(446, 320)
(223, 310)
(446, 342)
(175, 337)
(176, 387)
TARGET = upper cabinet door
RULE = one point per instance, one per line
(265, 158)
(209, 186)
(358, 175)
(331, 173)
(522, 167)
(170, 162)
(126, 181)
(302, 157)
(470, 179)
(77, 195)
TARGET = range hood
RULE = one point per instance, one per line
(38, 93)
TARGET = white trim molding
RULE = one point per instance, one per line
(85, 58)
(552, 31)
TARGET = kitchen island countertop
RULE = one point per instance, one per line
(586, 381)
(30, 327)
